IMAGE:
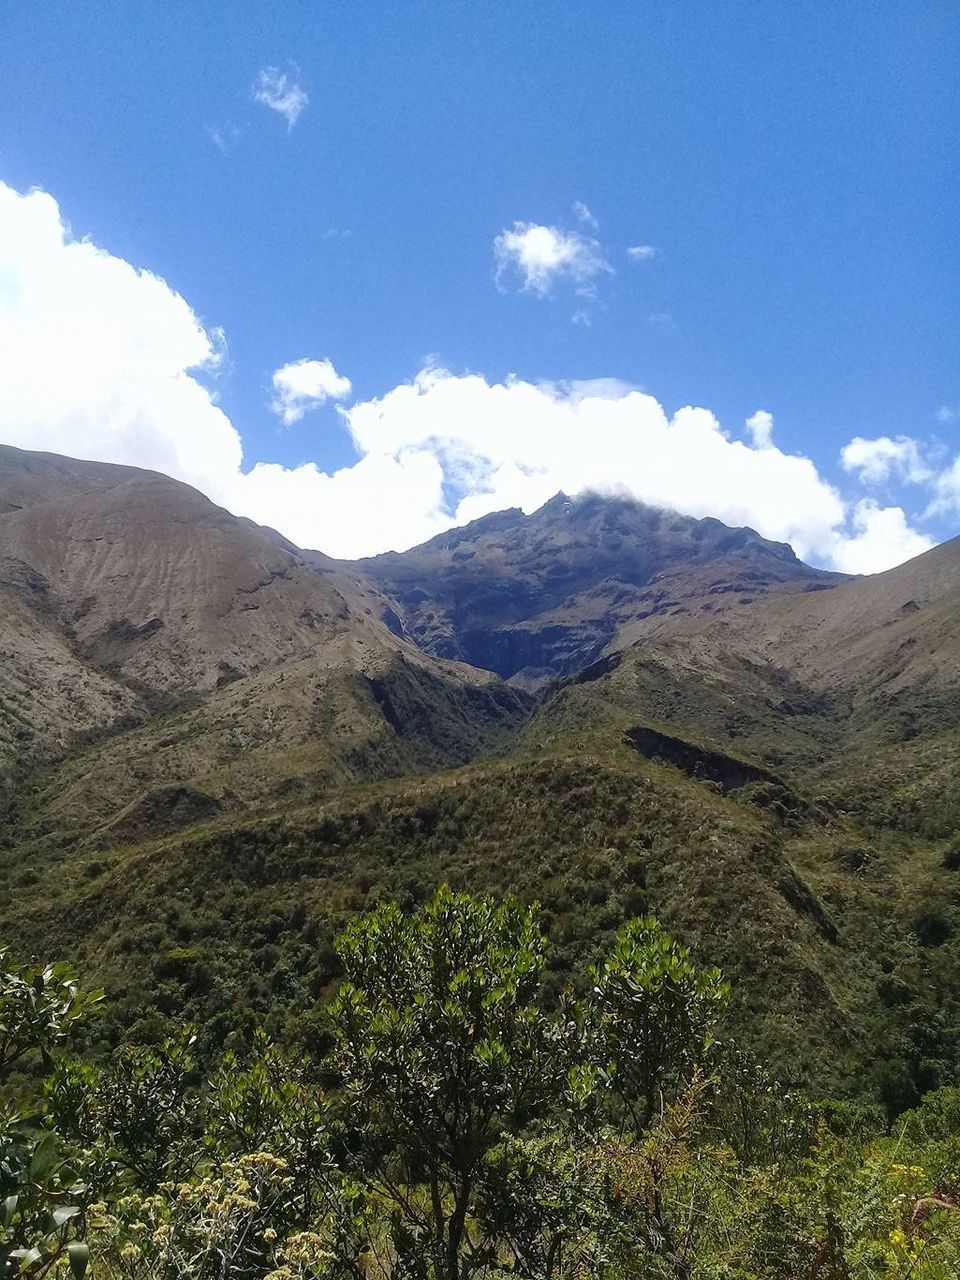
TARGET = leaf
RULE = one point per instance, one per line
(65, 1213)
(43, 1156)
(27, 1257)
(78, 1251)
(7, 1209)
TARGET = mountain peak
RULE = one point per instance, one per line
(534, 597)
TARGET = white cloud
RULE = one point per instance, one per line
(382, 501)
(947, 491)
(282, 92)
(100, 360)
(515, 444)
(947, 413)
(642, 252)
(305, 384)
(882, 459)
(95, 356)
(760, 426)
(541, 256)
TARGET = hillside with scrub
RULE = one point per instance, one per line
(460, 1123)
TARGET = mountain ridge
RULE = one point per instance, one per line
(145, 597)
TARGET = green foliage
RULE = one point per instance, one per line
(460, 1123)
(442, 1048)
(595, 839)
(39, 1007)
(652, 1015)
(43, 1200)
(143, 1100)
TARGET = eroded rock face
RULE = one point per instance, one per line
(727, 772)
(541, 596)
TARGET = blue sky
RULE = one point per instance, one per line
(788, 175)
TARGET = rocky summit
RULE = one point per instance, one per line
(540, 596)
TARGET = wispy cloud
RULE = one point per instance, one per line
(642, 252)
(224, 136)
(583, 214)
(282, 92)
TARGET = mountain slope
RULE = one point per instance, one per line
(855, 691)
(849, 639)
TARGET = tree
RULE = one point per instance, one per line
(443, 1050)
(651, 1017)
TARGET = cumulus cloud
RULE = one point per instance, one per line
(760, 426)
(946, 499)
(306, 384)
(282, 92)
(516, 443)
(882, 459)
(642, 252)
(96, 356)
(101, 360)
(540, 256)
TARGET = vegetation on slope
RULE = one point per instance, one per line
(843, 941)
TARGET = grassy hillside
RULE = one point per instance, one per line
(842, 940)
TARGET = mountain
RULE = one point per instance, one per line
(215, 745)
(540, 596)
(149, 639)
